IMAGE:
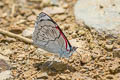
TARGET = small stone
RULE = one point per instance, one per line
(7, 52)
(62, 77)
(54, 2)
(54, 10)
(109, 47)
(1, 4)
(20, 21)
(45, 2)
(117, 76)
(28, 32)
(110, 77)
(42, 76)
(116, 53)
(81, 32)
(9, 39)
(102, 59)
(36, 11)
(31, 18)
(1, 35)
(5, 75)
(16, 30)
(86, 58)
(4, 65)
(114, 67)
(74, 35)
(4, 57)
(110, 42)
(65, 5)
(62, 18)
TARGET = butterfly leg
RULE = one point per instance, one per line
(52, 61)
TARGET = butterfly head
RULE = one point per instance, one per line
(72, 50)
(69, 53)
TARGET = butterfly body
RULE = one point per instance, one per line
(48, 36)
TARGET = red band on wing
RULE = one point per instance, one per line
(63, 38)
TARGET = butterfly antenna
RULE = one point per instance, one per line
(79, 54)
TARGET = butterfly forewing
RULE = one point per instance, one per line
(48, 36)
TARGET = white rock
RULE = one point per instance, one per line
(103, 15)
(28, 32)
(6, 52)
(5, 75)
(4, 57)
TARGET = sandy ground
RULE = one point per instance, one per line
(97, 58)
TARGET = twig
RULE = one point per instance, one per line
(26, 40)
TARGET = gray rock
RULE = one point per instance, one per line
(103, 15)
(28, 32)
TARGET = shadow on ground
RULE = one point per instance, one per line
(56, 67)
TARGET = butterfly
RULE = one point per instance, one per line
(48, 36)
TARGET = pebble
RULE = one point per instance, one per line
(5, 75)
(36, 11)
(116, 53)
(53, 10)
(16, 30)
(28, 32)
(109, 77)
(54, 2)
(74, 35)
(4, 65)
(65, 5)
(31, 18)
(86, 57)
(62, 77)
(1, 36)
(4, 57)
(109, 47)
(1, 4)
(9, 39)
(114, 67)
(43, 75)
(45, 2)
(81, 32)
(7, 52)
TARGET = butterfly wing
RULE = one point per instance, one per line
(48, 36)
